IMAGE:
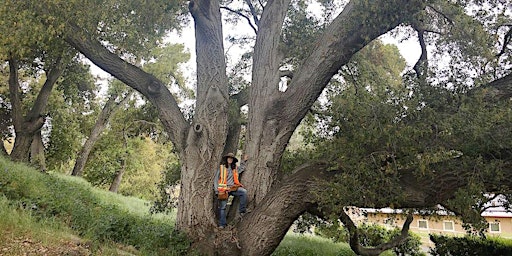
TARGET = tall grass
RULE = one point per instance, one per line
(17, 222)
(93, 214)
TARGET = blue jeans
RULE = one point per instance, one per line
(242, 194)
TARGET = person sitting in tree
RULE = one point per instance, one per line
(227, 183)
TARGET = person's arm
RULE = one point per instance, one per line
(243, 164)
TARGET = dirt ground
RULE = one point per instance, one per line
(21, 246)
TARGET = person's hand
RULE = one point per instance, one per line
(245, 157)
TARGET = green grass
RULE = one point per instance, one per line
(309, 245)
(95, 215)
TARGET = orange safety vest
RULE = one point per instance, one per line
(223, 179)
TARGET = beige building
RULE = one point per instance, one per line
(499, 222)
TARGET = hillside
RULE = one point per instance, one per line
(54, 214)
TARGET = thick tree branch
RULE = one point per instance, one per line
(421, 65)
(506, 41)
(14, 95)
(266, 54)
(262, 131)
(436, 10)
(361, 250)
(497, 90)
(334, 48)
(43, 95)
(286, 73)
(242, 97)
(291, 198)
(148, 85)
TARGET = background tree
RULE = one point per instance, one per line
(101, 122)
(275, 111)
(36, 61)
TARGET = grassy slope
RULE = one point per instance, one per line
(62, 215)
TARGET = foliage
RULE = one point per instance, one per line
(167, 199)
(387, 126)
(299, 33)
(164, 64)
(469, 245)
(73, 202)
(124, 24)
(135, 143)
(149, 167)
(371, 235)
(72, 110)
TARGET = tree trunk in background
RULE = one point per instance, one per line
(118, 178)
(107, 111)
(37, 157)
(26, 127)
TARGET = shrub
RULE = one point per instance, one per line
(469, 245)
(373, 235)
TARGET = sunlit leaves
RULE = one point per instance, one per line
(131, 26)
(164, 64)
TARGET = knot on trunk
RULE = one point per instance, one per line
(198, 128)
(154, 87)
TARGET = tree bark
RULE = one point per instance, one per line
(114, 187)
(37, 157)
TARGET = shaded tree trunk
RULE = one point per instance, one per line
(37, 157)
(26, 127)
(114, 187)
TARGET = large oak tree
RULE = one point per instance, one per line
(275, 200)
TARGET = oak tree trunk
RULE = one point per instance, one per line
(114, 187)
(26, 127)
(37, 157)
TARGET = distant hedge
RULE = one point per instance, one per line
(469, 245)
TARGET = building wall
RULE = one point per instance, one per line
(438, 224)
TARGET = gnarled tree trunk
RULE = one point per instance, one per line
(26, 127)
